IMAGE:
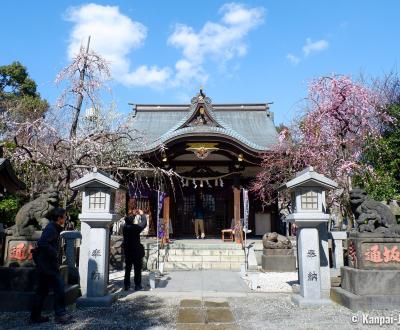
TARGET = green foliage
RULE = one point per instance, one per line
(381, 186)
(384, 156)
(18, 93)
(9, 207)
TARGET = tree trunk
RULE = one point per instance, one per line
(79, 101)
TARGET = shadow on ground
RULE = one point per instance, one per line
(133, 312)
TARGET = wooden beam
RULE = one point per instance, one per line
(166, 217)
(236, 215)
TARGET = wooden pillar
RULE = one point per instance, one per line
(166, 219)
(236, 215)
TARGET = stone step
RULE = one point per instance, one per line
(173, 258)
(202, 265)
(202, 252)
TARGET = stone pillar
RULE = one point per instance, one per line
(94, 259)
(309, 264)
(84, 257)
(97, 266)
(324, 260)
(337, 245)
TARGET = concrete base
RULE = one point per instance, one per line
(105, 301)
(14, 301)
(278, 263)
(371, 302)
(369, 282)
(306, 302)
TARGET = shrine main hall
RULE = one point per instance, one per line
(216, 149)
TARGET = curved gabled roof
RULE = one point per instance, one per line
(248, 124)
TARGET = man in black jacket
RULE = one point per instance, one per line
(47, 260)
(133, 250)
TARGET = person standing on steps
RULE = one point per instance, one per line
(47, 259)
(198, 216)
(133, 249)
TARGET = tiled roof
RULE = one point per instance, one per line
(248, 124)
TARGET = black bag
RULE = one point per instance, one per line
(141, 251)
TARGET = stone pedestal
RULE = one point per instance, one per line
(94, 259)
(18, 285)
(372, 279)
(17, 252)
(278, 260)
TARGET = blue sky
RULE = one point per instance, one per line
(162, 51)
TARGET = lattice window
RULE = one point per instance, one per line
(97, 200)
(309, 200)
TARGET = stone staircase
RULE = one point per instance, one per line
(195, 256)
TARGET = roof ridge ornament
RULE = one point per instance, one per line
(201, 97)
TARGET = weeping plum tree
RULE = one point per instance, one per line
(63, 144)
(340, 117)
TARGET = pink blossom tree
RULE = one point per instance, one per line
(340, 117)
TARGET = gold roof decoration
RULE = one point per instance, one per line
(202, 150)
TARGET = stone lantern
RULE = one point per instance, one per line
(307, 190)
(98, 199)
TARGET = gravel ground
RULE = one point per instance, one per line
(275, 311)
(257, 311)
(130, 312)
(271, 282)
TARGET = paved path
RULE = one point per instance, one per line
(202, 281)
(204, 300)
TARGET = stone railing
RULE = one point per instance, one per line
(338, 238)
(71, 246)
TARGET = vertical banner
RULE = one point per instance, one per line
(246, 209)
(160, 231)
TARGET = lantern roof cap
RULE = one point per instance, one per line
(308, 177)
(94, 176)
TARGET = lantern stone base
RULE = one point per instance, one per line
(18, 285)
(308, 302)
(278, 260)
(104, 301)
(365, 289)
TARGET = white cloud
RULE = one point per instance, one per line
(114, 36)
(218, 42)
(315, 46)
(293, 59)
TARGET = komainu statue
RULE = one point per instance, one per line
(276, 241)
(33, 215)
(370, 215)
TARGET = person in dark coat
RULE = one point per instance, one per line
(47, 259)
(133, 249)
